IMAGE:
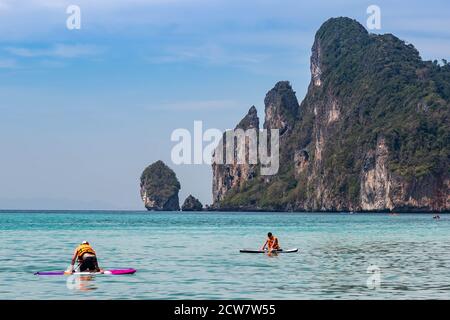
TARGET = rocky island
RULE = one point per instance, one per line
(159, 188)
(192, 204)
(371, 134)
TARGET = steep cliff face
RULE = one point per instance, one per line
(281, 108)
(233, 175)
(159, 188)
(376, 181)
(383, 190)
(371, 134)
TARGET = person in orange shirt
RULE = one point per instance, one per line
(86, 257)
(271, 243)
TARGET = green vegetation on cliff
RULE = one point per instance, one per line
(367, 91)
(385, 89)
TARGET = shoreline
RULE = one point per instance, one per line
(215, 211)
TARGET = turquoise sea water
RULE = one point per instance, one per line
(196, 256)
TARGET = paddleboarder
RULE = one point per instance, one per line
(271, 243)
(86, 257)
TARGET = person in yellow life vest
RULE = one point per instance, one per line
(271, 243)
(86, 257)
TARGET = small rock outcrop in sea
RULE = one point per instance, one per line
(160, 187)
(192, 204)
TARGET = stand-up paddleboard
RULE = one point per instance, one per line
(266, 251)
(107, 272)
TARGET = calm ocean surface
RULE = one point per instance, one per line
(196, 256)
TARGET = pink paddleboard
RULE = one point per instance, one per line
(108, 272)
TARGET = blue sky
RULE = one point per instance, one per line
(82, 112)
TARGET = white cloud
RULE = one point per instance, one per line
(208, 54)
(47, 63)
(89, 4)
(276, 38)
(7, 63)
(56, 51)
(3, 6)
(198, 105)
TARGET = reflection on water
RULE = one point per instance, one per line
(81, 282)
(196, 256)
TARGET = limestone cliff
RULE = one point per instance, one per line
(233, 175)
(281, 108)
(371, 134)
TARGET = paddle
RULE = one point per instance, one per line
(74, 269)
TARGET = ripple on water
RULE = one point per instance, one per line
(195, 256)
